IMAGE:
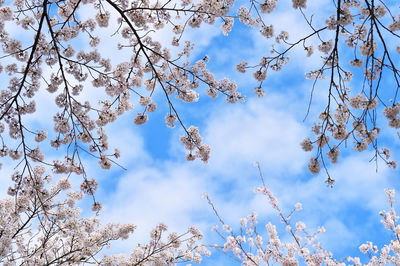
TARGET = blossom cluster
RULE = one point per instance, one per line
(63, 236)
(252, 244)
(358, 27)
(193, 141)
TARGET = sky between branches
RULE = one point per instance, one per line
(159, 185)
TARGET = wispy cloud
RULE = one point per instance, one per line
(260, 130)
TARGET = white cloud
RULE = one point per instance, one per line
(260, 130)
(243, 134)
(160, 193)
(339, 237)
(172, 191)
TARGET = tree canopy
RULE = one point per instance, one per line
(88, 62)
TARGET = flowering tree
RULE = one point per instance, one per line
(49, 47)
(251, 247)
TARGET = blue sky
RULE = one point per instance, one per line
(160, 186)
